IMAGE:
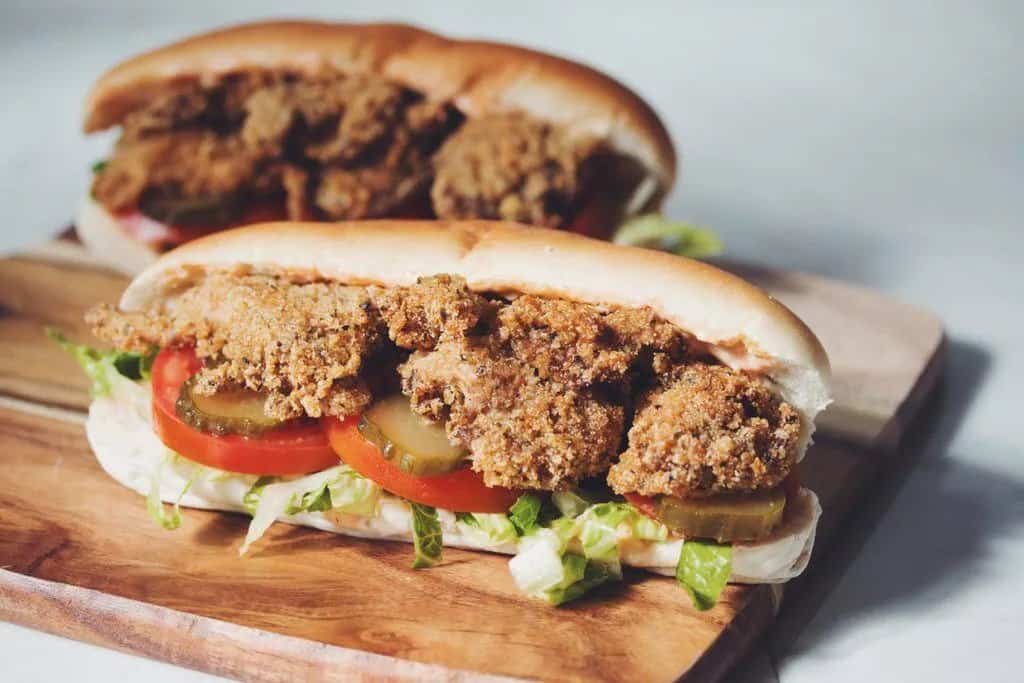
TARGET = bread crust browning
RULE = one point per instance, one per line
(478, 77)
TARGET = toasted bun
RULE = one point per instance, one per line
(744, 327)
(478, 77)
(101, 233)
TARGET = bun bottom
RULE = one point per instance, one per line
(102, 235)
(121, 436)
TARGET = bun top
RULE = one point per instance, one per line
(477, 77)
(741, 325)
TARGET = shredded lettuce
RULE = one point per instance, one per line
(570, 503)
(598, 529)
(658, 232)
(251, 499)
(703, 570)
(573, 554)
(525, 512)
(647, 529)
(354, 494)
(338, 488)
(585, 574)
(544, 569)
(487, 529)
(99, 165)
(155, 507)
(426, 535)
(99, 366)
(538, 568)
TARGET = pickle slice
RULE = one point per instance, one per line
(745, 517)
(414, 444)
(191, 211)
(231, 411)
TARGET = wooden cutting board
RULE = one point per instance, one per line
(79, 556)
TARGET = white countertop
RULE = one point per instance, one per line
(881, 143)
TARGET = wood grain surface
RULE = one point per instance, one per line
(80, 557)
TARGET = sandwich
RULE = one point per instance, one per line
(576, 404)
(330, 122)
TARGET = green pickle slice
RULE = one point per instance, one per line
(411, 442)
(231, 411)
(725, 518)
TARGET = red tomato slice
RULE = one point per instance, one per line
(791, 484)
(459, 491)
(645, 504)
(592, 219)
(163, 236)
(297, 448)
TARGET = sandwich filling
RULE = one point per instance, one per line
(527, 409)
(541, 392)
(336, 147)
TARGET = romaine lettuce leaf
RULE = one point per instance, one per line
(594, 573)
(100, 365)
(543, 569)
(155, 506)
(525, 512)
(338, 488)
(537, 568)
(487, 529)
(703, 570)
(426, 534)
(598, 529)
(354, 494)
(569, 555)
(251, 499)
(658, 232)
(569, 503)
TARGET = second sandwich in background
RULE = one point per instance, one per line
(342, 121)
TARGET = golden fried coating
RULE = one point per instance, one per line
(192, 163)
(302, 344)
(346, 146)
(578, 344)
(510, 167)
(435, 308)
(706, 430)
(521, 431)
(538, 390)
(342, 146)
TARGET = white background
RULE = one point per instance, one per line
(878, 142)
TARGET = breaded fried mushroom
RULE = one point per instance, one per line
(435, 308)
(707, 430)
(303, 345)
(522, 432)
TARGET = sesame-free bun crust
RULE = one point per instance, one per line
(742, 326)
(477, 77)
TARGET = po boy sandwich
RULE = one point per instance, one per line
(314, 121)
(573, 403)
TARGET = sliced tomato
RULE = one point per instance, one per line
(459, 491)
(592, 218)
(163, 236)
(791, 484)
(297, 448)
(645, 504)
